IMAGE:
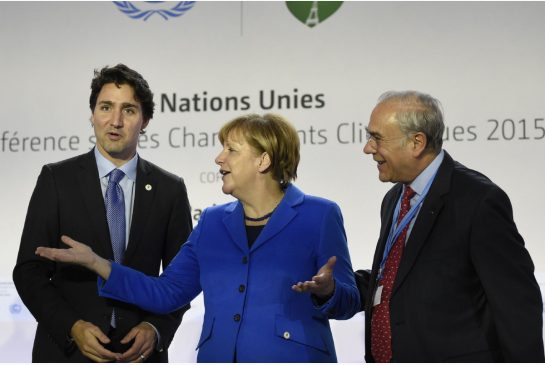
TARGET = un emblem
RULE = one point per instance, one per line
(15, 308)
(146, 9)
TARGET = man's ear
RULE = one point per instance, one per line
(144, 124)
(265, 162)
(419, 141)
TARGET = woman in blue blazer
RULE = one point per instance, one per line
(249, 256)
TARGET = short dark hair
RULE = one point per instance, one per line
(123, 75)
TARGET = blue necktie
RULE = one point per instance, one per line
(115, 213)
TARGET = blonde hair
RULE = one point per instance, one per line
(272, 134)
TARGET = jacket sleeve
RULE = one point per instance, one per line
(345, 301)
(506, 272)
(362, 282)
(174, 288)
(32, 274)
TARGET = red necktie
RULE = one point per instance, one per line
(381, 335)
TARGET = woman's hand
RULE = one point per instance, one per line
(79, 254)
(322, 284)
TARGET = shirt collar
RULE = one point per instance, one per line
(419, 184)
(105, 166)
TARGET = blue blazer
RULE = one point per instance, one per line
(251, 312)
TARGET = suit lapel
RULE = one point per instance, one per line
(145, 189)
(387, 212)
(284, 213)
(234, 223)
(430, 210)
(89, 185)
(282, 216)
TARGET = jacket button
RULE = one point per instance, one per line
(287, 335)
(236, 317)
(245, 260)
(241, 288)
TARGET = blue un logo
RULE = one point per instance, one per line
(146, 9)
(15, 308)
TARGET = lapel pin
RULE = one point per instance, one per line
(148, 187)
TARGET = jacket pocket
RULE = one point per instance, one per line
(206, 332)
(303, 332)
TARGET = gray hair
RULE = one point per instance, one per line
(419, 113)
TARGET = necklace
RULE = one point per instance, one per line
(259, 219)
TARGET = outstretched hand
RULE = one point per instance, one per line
(322, 284)
(79, 254)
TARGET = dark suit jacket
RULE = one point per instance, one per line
(68, 200)
(465, 290)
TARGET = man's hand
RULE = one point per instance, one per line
(88, 338)
(144, 343)
(322, 284)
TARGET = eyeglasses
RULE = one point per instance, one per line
(377, 140)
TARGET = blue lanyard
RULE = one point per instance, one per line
(396, 231)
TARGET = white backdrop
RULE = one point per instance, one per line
(484, 61)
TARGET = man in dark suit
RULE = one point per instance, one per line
(464, 290)
(71, 197)
(451, 279)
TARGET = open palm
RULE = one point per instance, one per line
(78, 253)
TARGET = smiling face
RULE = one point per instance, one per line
(117, 120)
(390, 147)
(239, 164)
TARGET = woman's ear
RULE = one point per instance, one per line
(264, 162)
